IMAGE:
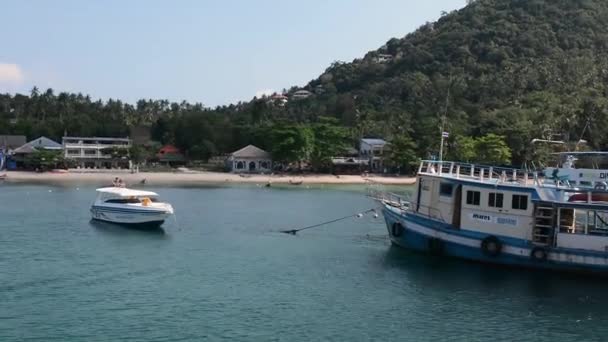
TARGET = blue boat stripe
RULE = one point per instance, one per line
(418, 240)
(447, 228)
(135, 211)
(514, 242)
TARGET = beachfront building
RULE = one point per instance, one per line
(373, 150)
(249, 159)
(96, 152)
(8, 143)
(171, 155)
(41, 144)
(349, 163)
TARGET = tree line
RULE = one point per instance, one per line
(499, 73)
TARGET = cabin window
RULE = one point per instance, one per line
(473, 197)
(446, 189)
(520, 202)
(585, 183)
(123, 200)
(495, 200)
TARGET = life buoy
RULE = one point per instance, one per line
(435, 246)
(491, 246)
(538, 254)
(601, 186)
(397, 229)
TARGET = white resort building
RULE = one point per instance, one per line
(96, 152)
(249, 159)
(373, 150)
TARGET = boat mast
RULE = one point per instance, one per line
(445, 134)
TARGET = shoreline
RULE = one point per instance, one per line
(202, 178)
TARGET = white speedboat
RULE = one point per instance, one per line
(130, 207)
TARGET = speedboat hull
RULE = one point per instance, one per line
(131, 217)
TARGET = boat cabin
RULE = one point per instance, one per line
(580, 169)
(115, 195)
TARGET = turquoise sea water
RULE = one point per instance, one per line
(221, 272)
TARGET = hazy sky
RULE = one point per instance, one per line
(214, 52)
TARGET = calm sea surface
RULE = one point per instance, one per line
(222, 272)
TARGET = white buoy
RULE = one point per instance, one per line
(359, 215)
(375, 215)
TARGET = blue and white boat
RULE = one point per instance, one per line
(501, 216)
(582, 169)
(130, 207)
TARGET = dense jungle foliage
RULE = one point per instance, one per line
(516, 69)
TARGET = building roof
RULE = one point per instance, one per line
(25, 149)
(98, 139)
(374, 141)
(169, 149)
(251, 151)
(124, 192)
(170, 153)
(43, 143)
(12, 141)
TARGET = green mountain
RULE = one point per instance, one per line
(522, 69)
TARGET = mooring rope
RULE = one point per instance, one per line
(360, 214)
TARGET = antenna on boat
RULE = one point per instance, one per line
(580, 140)
(445, 134)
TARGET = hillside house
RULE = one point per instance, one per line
(301, 95)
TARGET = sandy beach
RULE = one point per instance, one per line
(194, 178)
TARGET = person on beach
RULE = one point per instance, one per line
(118, 183)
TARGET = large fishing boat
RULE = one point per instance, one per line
(124, 206)
(501, 216)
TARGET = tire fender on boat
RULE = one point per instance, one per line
(397, 229)
(491, 246)
(538, 254)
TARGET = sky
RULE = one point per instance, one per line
(212, 52)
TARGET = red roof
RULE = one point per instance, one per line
(168, 149)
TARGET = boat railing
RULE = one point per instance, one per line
(483, 173)
(389, 197)
(404, 203)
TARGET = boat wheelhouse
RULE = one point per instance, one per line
(501, 216)
(580, 169)
(130, 207)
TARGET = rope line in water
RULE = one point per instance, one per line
(295, 231)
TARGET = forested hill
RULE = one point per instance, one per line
(520, 68)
